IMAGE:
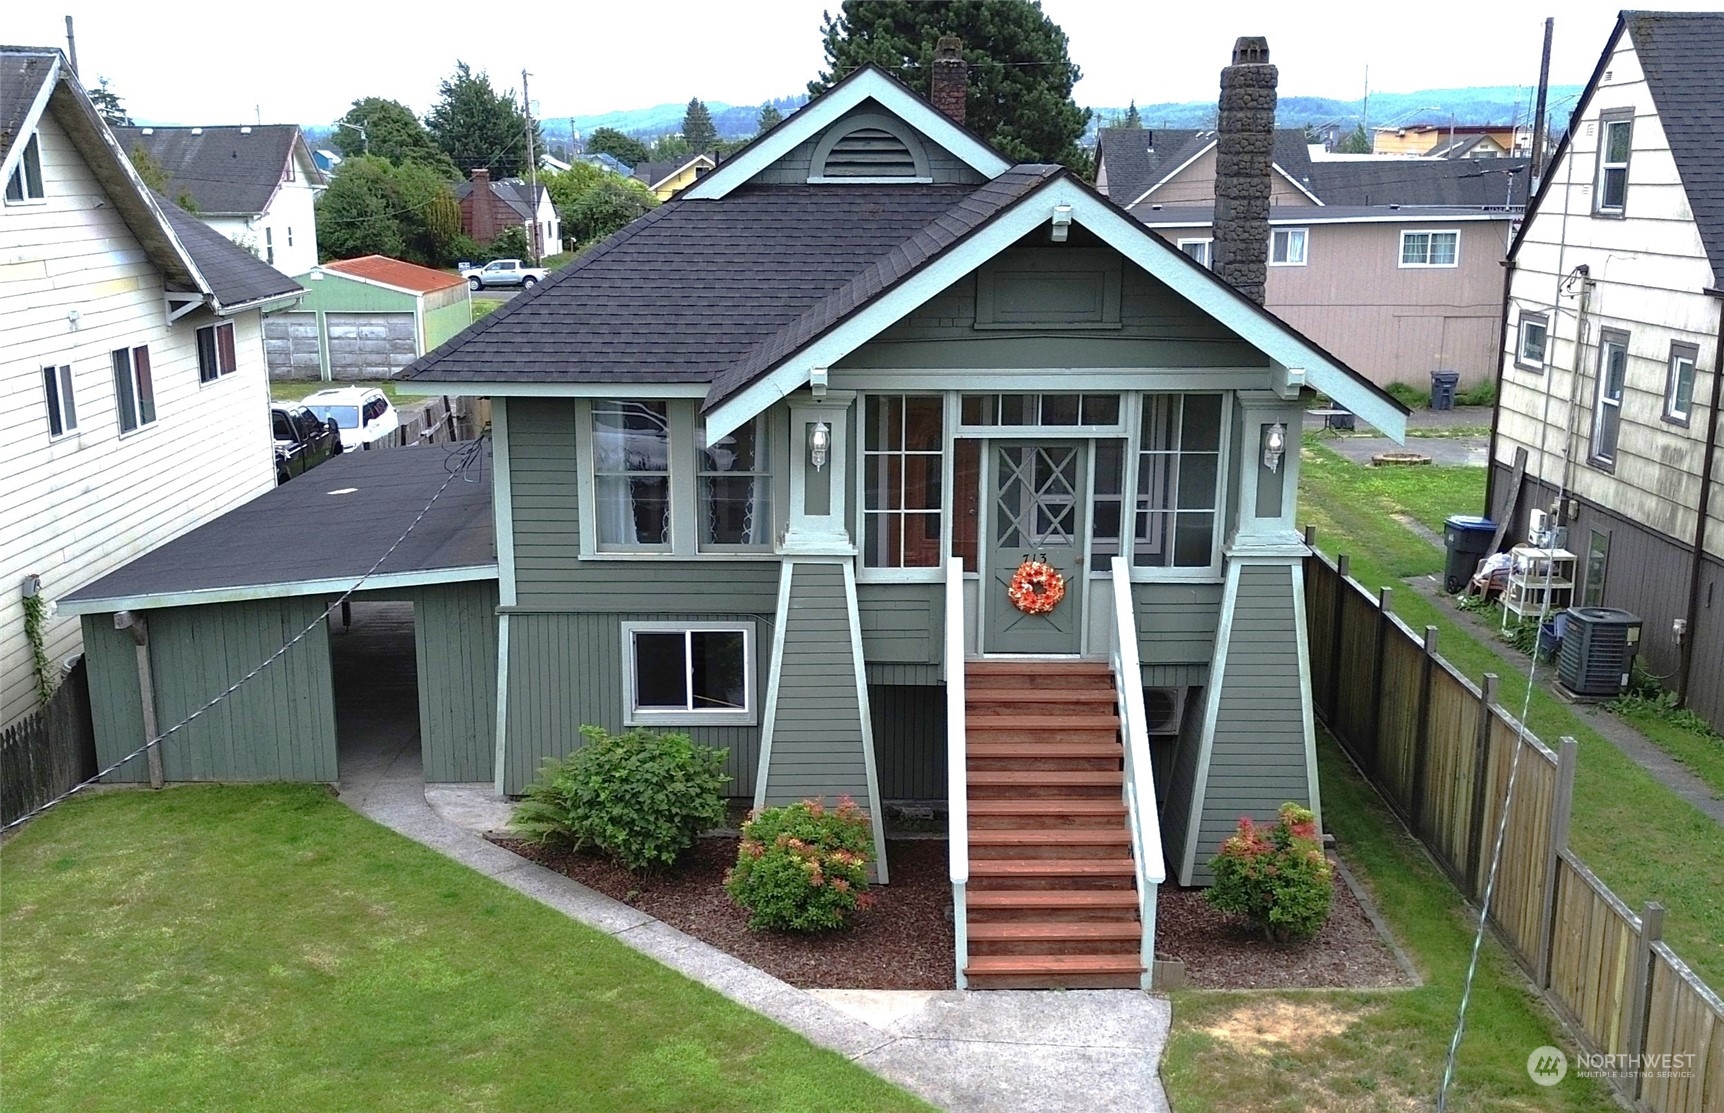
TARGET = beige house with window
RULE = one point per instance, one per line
(1609, 377)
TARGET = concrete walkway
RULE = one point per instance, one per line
(993, 1052)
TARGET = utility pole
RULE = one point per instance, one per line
(532, 169)
(1538, 119)
(71, 47)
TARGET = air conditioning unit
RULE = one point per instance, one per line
(1165, 708)
(1598, 651)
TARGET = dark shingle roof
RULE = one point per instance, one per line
(235, 275)
(1138, 158)
(691, 287)
(226, 170)
(263, 543)
(513, 192)
(1679, 54)
(1409, 181)
(23, 70)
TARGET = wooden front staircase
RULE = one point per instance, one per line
(1052, 898)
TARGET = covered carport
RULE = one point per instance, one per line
(201, 615)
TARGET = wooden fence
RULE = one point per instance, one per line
(49, 750)
(1439, 750)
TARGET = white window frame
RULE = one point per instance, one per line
(1680, 353)
(1133, 504)
(1430, 237)
(1596, 455)
(1623, 117)
(1207, 243)
(60, 399)
(30, 159)
(633, 715)
(269, 245)
(1521, 359)
(1291, 235)
(865, 456)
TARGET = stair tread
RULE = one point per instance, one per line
(1032, 665)
(1054, 964)
(1047, 806)
(1051, 898)
(1041, 722)
(1051, 748)
(1013, 931)
(1046, 776)
(1043, 867)
(974, 694)
(1040, 836)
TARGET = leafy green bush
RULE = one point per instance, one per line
(1479, 394)
(1410, 396)
(802, 867)
(641, 797)
(1276, 878)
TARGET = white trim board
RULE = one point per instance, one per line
(472, 388)
(1118, 230)
(868, 83)
(32, 119)
(285, 590)
(1210, 146)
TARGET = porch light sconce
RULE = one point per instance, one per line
(1062, 222)
(819, 444)
(1274, 446)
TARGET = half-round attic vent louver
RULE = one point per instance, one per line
(870, 153)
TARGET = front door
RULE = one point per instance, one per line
(1035, 508)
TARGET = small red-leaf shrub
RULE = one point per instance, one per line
(802, 867)
(1275, 878)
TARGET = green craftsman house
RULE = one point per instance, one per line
(765, 465)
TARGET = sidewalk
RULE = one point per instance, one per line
(984, 1052)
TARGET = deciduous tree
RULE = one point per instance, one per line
(477, 126)
(356, 214)
(389, 130)
(626, 149)
(611, 203)
(1020, 73)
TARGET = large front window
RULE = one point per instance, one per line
(735, 489)
(903, 475)
(631, 473)
(689, 673)
(1178, 481)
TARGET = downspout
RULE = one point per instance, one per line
(1698, 560)
(1496, 410)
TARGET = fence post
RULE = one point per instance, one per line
(1481, 754)
(1422, 732)
(1343, 569)
(1560, 808)
(1385, 607)
(1640, 985)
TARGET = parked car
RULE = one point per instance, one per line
(362, 413)
(302, 439)
(503, 272)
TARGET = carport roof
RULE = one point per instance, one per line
(318, 534)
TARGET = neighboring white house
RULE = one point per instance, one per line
(1609, 373)
(257, 186)
(131, 361)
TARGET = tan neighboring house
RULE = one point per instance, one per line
(1610, 373)
(666, 178)
(1452, 141)
(131, 360)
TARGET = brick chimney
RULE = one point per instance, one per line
(1244, 155)
(951, 81)
(483, 225)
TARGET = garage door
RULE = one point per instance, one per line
(290, 346)
(369, 345)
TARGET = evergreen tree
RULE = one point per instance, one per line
(477, 126)
(770, 118)
(697, 126)
(1356, 143)
(1132, 119)
(1021, 75)
(389, 130)
(626, 149)
(108, 105)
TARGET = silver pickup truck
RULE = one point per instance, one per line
(503, 272)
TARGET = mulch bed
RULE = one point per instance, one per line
(905, 940)
(1219, 953)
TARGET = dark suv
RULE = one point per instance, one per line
(302, 441)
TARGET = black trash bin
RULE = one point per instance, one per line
(1468, 539)
(1443, 385)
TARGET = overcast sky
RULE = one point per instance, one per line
(306, 61)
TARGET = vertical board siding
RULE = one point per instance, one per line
(566, 670)
(455, 645)
(909, 740)
(1257, 754)
(116, 710)
(817, 724)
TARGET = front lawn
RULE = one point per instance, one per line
(292, 390)
(1383, 1049)
(264, 947)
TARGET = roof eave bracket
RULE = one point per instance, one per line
(180, 303)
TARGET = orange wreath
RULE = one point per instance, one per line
(1036, 588)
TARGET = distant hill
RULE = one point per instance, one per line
(733, 121)
(1494, 104)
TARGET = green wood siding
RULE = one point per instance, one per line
(792, 169)
(336, 293)
(1176, 625)
(909, 740)
(817, 724)
(1158, 328)
(455, 643)
(445, 321)
(1257, 755)
(901, 623)
(566, 670)
(115, 709)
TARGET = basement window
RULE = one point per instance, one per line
(682, 673)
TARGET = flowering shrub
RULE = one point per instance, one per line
(641, 797)
(1275, 878)
(802, 867)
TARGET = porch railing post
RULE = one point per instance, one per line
(957, 769)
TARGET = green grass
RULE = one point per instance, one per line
(1390, 1054)
(1702, 751)
(1644, 841)
(292, 390)
(482, 306)
(266, 948)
